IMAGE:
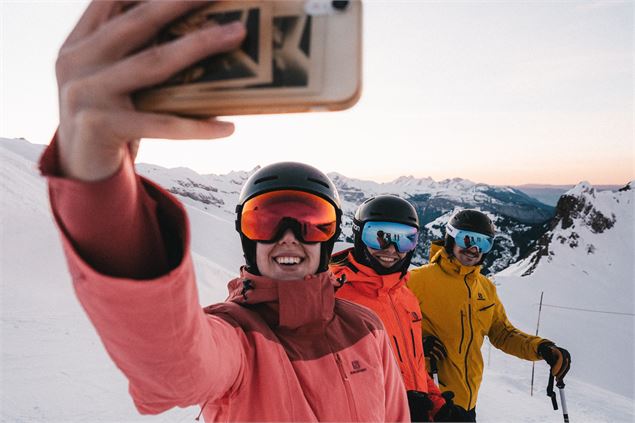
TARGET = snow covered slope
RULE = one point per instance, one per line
(585, 266)
(55, 369)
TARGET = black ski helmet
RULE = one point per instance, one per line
(387, 208)
(283, 176)
(469, 220)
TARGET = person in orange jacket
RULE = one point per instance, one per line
(374, 274)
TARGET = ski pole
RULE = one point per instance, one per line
(435, 371)
(550, 393)
(563, 401)
(533, 364)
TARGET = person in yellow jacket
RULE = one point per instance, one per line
(460, 307)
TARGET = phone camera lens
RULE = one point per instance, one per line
(340, 4)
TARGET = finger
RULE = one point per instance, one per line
(565, 366)
(562, 372)
(133, 29)
(558, 361)
(133, 148)
(158, 63)
(95, 14)
(133, 125)
(440, 348)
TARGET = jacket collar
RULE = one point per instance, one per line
(449, 264)
(306, 303)
(364, 278)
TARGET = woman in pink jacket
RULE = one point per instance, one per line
(281, 348)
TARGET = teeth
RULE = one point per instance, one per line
(390, 259)
(288, 260)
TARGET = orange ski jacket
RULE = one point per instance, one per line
(398, 309)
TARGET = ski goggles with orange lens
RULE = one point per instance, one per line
(468, 239)
(265, 217)
(380, 235)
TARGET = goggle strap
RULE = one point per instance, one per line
(451, 230)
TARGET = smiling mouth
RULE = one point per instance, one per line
(288, 260)
(470, 254)
(387, 259)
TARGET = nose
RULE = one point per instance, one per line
(473, 249)
(391, 248)
(288, 238)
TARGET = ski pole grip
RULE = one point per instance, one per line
(550, 393)
(434, 370)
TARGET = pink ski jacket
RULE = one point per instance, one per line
(274, 351)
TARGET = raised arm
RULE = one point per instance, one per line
(126, 239)
(96, 196)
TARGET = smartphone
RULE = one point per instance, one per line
(298, 56)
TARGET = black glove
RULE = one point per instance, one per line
(558, 358)
(419, 405)
(433, 348)
(451, 412)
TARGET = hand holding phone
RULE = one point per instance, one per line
(298, 55)
(107, 57)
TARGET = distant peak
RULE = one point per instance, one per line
(252, 171)
(581, 188)
(335, 175)
(627, 187)
(411, 180)
(403, 179)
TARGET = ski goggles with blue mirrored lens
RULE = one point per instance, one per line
(468, 239)
(380, 235)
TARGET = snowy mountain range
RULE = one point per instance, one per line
(54, 367)
(519, 218)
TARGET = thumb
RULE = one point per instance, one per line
(557, 365)
(133, 148)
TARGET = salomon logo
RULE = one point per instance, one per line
(415, 317)
(481, 297)
(357, 368)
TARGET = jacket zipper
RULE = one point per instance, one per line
(394, 338)
(485, 308)
(345, 381)
(414, 346)
(462, 333)
(347, 385)
(469, 343)
(403, 338)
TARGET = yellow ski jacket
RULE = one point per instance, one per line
(460, 307)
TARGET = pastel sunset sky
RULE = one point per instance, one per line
(500, 92)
